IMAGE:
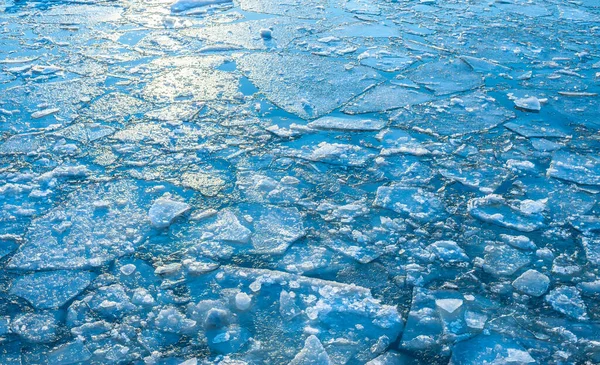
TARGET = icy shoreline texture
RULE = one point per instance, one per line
(299, 182)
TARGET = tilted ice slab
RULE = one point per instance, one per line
(308, 86)
(95, 225)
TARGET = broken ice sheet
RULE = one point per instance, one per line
(446, 77)
(581, 169)
(52, 289)
(468, 113)
(249, 34)
(308, 86)
(385, 97)
(94, 226)
(332, 153)
(494, 209)
(419, 204)
(318, 167)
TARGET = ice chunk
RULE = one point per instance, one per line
(474, 112)
(116, 107)
(493, 209)
(70, 353)
(77, 234)
(536, 129)
(532, 283)
(567, 300)
(276, 228)
(36, 327)
(164, 211)
(490, 349)
(308, 86)
(47, 290)
(591, 245)
(449, 305)
(503, 260)
(243, 301)
(448, 251)
(333, 153)
(581, 169)
(348, 124)
(446, 77)
(522, 242)
(170, 319)
(44, 113)
(311, 9)
(530, 104)
(385, 97)
(227, 227)
(418, 203)
(313, 353)
(183, 5)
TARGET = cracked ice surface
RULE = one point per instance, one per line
(240, 182)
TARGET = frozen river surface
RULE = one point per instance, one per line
(304, 182)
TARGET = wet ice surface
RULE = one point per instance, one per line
(299, 182)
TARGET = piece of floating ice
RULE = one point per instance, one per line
(308, 86)
(445, 78)
(419, 204)
(580, 169)
(490, 349)
(12, 61)
(449, 305)
(532, 283)
(76, 234)
(47, 290)
(522, 242)
(576, 94)
(474, 112)
(535, 129)
(242, 301)
(313, 353)
(448, 251)
(334, 154)
(348, 124)
(164, 211)
(44, 113)
(69, 353)
(591, 246)
(494, 209)
(503, 260)
(530, 103)
(385, 97)
(276, 228)
(567, 300)
(183, 5)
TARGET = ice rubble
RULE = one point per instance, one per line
(305, 182)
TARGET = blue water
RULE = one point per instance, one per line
(299, 182)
